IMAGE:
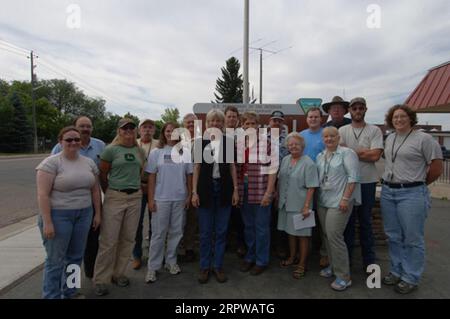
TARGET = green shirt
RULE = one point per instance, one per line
(126, 164)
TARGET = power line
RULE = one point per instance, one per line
(11, 51)
(14, 46)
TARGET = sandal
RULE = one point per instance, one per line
(288, 262)
(299, 272)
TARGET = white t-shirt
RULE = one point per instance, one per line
(368, 137)
(73, 182)
(411, 159)
(170, 176)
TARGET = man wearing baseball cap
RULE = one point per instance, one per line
(279, 238)
(147, 143)
(337, 108)
(367, 142)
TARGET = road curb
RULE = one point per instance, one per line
(12, 157)
(21, 279)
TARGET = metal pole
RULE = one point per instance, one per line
(246, 44)
(260, 76)
(33, 105)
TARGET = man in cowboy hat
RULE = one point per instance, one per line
(337, 108)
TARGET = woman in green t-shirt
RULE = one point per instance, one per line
(120, 176)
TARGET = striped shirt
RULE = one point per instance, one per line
(256, 176)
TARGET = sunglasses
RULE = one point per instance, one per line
(128, 127)
(70, 140)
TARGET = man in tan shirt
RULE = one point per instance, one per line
(147, 143)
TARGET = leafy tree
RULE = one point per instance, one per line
(106, 128)
(171, 115)
(230, 87)
(134, 118)
(19, 137)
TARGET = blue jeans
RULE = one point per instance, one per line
(66, 248)
(257, 231)
(364, 215)
(213, 220)
(404, 212)
(137, 251)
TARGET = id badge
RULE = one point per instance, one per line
(326, 186)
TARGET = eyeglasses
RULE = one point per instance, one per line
(128, 128)
(396, 117)
(70, 140)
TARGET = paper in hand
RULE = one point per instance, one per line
(300, 223)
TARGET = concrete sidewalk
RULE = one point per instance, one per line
(275, 283)
(21, 251)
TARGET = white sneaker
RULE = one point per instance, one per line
(173, 269)
(150, 276)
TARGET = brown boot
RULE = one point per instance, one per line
(246, 266)
(257, 270)
(136, 264)
(203, 276)
(220, 275)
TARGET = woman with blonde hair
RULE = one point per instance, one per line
(339, 191)
(120, 177)
(214, 191)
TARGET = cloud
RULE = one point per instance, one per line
(142, 56)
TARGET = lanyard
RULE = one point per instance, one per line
(149, 149)
(394, 155)
(327, 167)
(357, 136)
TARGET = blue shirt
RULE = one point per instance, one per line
(93, 150)
(335, 173)
(313, 143)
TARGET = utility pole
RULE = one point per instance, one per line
(245, 71)
(33, 104)
(260, 75)
(261, 50)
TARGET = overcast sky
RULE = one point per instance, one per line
(144, 55)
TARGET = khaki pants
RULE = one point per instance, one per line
(333, 223)
(120, 218)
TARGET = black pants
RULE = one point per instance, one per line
(236, 227)
(90, 254)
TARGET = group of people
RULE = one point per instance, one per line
(326, 171)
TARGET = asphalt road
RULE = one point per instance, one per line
(18, 189)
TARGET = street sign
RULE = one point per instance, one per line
(307, 103)
(260, 109)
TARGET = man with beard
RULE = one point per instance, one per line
(147, 143)
(367, 142)
(337, 108)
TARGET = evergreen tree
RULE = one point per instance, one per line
(20, 134)
(230, 87)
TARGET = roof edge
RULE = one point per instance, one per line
(439, 66)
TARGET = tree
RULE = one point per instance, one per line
(106, 128)
(20, 137)
(171, 115)
(230, 87)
